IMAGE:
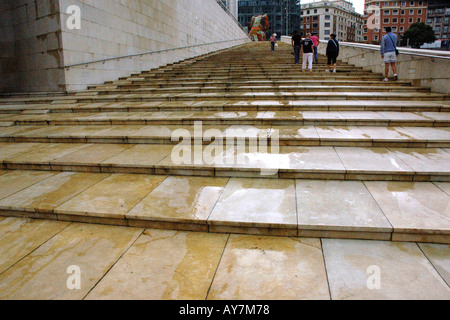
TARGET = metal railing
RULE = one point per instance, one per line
(86, 64)
(402, 50)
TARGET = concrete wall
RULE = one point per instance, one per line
(116, 28)
(30, 46)
(422, 71)
(36, 43)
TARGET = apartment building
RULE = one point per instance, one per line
(327, 17)
(438, 17)
(399, 15)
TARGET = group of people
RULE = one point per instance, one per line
(308, 48)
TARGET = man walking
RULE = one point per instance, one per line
(332, 53)
(297, 44)
(389, 53)
(316, 41)
(307, 52)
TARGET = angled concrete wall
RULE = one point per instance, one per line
(36, 43)
(30, 46)
(116, 28)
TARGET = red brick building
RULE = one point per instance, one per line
(399, 15)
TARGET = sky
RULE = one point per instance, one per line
(358, 4)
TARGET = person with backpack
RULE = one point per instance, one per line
(296, 42)
(332, 53)
(389, 53)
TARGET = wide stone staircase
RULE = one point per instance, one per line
(237, 141)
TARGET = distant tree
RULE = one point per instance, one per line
(418, 34)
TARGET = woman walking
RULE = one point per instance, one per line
(273, 42)
(332, 53)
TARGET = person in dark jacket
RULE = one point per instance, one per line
(332, 53)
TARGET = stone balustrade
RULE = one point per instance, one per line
(425, 68)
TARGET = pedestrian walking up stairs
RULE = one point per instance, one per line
(239, 141)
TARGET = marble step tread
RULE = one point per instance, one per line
(300, 105)
(407, 137)
(306, 82)
(398, 211)
(281, 96)
(316, 162)
(341, 118)
(257, 89)
(92, 97)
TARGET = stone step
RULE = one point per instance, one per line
(321, 163)
(226, 84)
(305, 105)
(280, 96)
(349, 210)
(298, 118)
(402, 137)
(255, 89)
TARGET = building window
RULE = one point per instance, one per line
(395, 12)
(411, 12)
(387, 12)
(386, 20)
(394, 20)
(376, 38)
(419, 11)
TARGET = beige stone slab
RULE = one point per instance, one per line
(14, 181)
(419, 207)
(405, 273)
(297, 132)
(93, 154)
(22, 236)
(338, 206)
(390, 133)
(430, 133)
(405, 116)
(140, 155)
(15, 130)
(180, 199)
(439, 256)
(256, 203)
(113, 197)
(311, 159)
(43, 273)
(8, 150)
(444, 186)
(48, 153)
(426, 161)
(339, 132)
(379, 160)
(270, 268)
(164, 265)
(45, 196)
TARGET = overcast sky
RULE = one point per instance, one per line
(359, 4)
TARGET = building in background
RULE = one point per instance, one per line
(399, 15)
(231, 5)
(284, 15)
(438, 17)
(327, 17)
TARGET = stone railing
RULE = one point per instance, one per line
(425, 68)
